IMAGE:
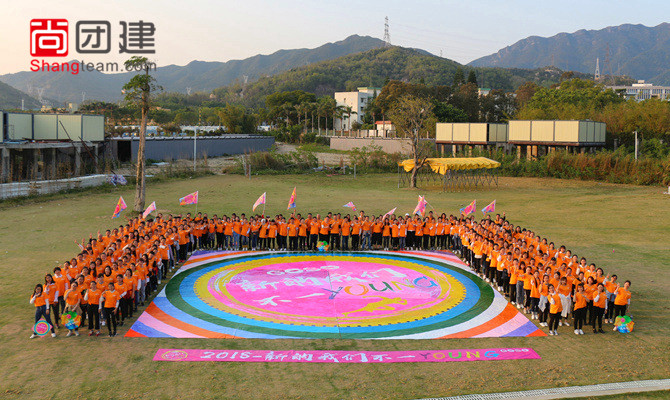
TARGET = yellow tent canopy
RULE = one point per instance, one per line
(442, 165)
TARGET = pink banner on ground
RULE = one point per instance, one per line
(324, 356)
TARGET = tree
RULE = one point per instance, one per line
(338, 113)
(348, 110)
(411, 115)
(445, 112)
(472, 77)
(525, 92)
(138, 90)
(459, 78)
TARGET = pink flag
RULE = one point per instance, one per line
(491, 208)
(189, 199)
(120, 206)
(350, 205)
(149, 210)
(388, 214)
(261, 200)
(291, 201)
(470, 209)
(421, 206)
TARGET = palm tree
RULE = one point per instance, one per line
(338, 113)
(349, 110)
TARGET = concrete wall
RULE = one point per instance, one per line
(388, 145)
(19, 189)
(182, 148)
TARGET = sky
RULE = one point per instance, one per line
(220, 30)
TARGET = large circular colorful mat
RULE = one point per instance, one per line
(361, 295)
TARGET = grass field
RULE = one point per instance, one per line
(624, 229)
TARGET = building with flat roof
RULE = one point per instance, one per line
(642, 91)
(357, 101)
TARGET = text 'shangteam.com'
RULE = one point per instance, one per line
(74, 67)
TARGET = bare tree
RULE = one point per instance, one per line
(138, 90)
(412, 115)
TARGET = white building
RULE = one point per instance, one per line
(357, 101)
(643, 91)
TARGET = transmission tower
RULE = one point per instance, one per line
(608, 64)
(387, 37)
(596, 76)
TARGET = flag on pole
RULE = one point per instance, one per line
(189, 199)
(470, 209)
(421, 206)
(388, 214)
(350, 205)
(261, 200)
(291, 202)
(149, 210)
(491, 208)
(120, 206)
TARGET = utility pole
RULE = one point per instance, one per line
(195, 138)
(635, 145)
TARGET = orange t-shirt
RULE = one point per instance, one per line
(94, 296)
(111, 298)
(622, 297)
(72, 297)
(557, 306)
(346, 228)
(580, 300)
(40, 300)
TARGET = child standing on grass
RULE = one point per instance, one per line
(41, 301)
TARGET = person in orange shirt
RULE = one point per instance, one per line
(345, 230)
(394, 234)
(109, 305)
(579, 312)
(554, 310)
(272, 235)
(314, 226)
(228, 234)
(282, 234)
(622, 299)
(355, 233)
(255, 227)
(599, 304)
(292, 233)
(92, 297)
(62, 284)
(51, 290)
(263, 234)
(72, 303)
(335, 232)
(386, 234)
(220, 225)
(418, 234)
(366, 232)
(377, 229)
(402, 233)
(302, 234)
(41, 301)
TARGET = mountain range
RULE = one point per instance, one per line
(197, 75)
(635, 50)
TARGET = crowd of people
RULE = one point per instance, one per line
(115, 272)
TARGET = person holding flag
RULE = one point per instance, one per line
(421, 206)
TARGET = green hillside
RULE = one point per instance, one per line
(374, 68)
